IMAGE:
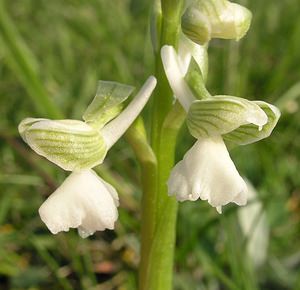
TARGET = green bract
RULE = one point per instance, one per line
(219, 115)
(207, 19)
(71, 144)
(107, 103)
(250, 133)
(195, 80)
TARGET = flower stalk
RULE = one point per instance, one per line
(159, 211)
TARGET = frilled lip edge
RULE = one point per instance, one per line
(208, 173)
(77, 204)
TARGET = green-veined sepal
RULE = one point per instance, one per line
(70, 144)
(107, 103)
(27, 123)
(250, 133)
(219, 115)
(207, 19)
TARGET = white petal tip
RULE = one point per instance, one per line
(219, 209)
(84, 233)
(152, 81)
(166, 49)
(175, 76)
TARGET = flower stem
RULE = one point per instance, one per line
(159, 211)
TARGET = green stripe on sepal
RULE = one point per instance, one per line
(222, 114)
(27, 123)
(70, 144)
(250, 133)
(107, 103)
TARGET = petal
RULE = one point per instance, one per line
(113, 131)
(70, 144)
(222, 114)
(188, 49)
(207, 172)
(83, 201)
(107, 103)
(250, 133)
(175, 76)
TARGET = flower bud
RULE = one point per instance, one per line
(207, 19)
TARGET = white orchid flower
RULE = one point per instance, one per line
(84, 200)
(206, 171)
(75, 145)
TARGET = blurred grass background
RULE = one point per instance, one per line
(51, 55)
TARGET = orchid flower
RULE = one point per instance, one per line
(207, 171)
(84, 200)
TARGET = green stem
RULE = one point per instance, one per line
(136, 137)
(159, 211)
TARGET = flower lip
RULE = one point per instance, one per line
(208, 173)
(83, 201)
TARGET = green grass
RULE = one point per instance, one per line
(51, 55)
